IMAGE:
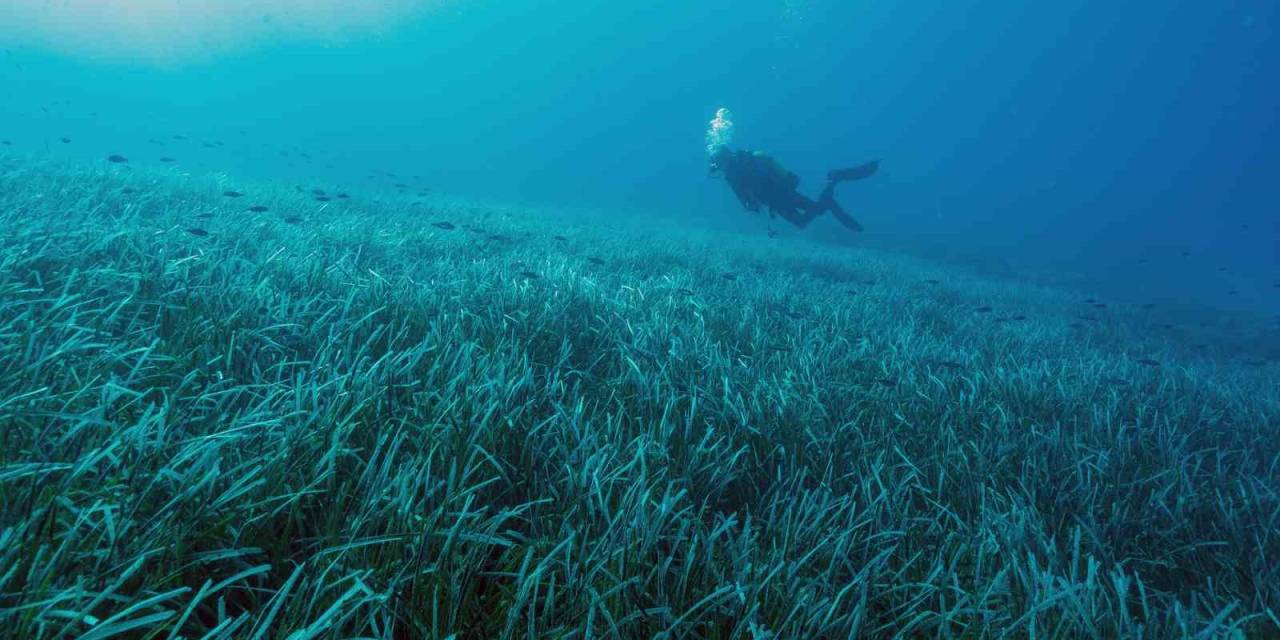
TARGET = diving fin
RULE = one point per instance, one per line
(845, 219)
(854, 173)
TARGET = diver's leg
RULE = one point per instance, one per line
(803, 210)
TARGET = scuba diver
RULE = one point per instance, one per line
(758, 179)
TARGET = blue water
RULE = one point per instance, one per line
(1077, 137)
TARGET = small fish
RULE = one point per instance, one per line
(209, 145)
(293, 220)
(178, 137)
(401, 185)
(1148, 306)
(6, 143)
(342, 196)
(205, 215)
(1143, 260)
(65, 140)
(560, 238)
(447, 226)
(1116, 382)
(950, 364)
(1090, 301)
(498, 237)
(232, 194)
(1221, 269)
(198, 232)
(128, 191)
(1076, 325)
(1233, 292)
(167, 159)
(1100, 305)
(317, 192)
(116, 158)
(1018, 318)
(933, 281)
(322, 198)
(851, 292)
(729, 276)
(683, 291)
(595, 260)
(1256, 363)
(529, 275)
(779, 348)
(983, 309)
(1147, 362)
(1186, 254)
(257, 208)
(886, 383)
(795, 315)
(773, 233)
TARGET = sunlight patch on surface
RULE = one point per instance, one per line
(174, 31)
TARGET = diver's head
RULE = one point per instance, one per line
(720, 159)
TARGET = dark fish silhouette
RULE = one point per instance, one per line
(323, 198)
(1100, 305)
(293, 220)
(232, 194)
(950, 364)
(197, 231)
(851, 292)
(933, 281)
(317, 192)
(529, 275)
(168, 159)
(729, 276)
(342, 196)
(1147, 362)
(683, 291)
(65, 140)
(257, 208)
(447, 226)
(128, 190)
(983, 309)
(886, 383)
(795, 315)
(401, 185)
(773, 233)
(117, 158)
(205, 215)
(1116, 382)
(595, 260)
(1149, 305)
(178, 137)
(560, 238)
(6, 143)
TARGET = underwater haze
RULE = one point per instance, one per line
(433, 319)
(1080, 137)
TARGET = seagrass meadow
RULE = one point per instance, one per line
(394, 416)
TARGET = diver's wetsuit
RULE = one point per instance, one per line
(758, 179)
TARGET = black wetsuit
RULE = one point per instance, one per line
(758, 179)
